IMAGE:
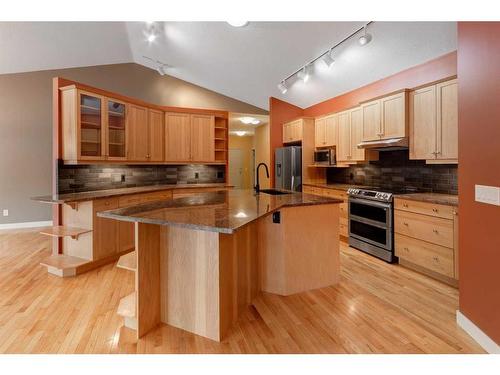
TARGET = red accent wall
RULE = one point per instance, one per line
(434, 70)
(279, 113)
(479, 163)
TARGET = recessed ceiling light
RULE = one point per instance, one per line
(240, 133)
(241, 215)
(249, 120)
(282, 87)
(238, 23)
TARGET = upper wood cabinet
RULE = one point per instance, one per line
(116, 119)
(189, 137)
(156, 135)
(350, 127)
(292, 131)
(385, 118)
(434, 123)
(326, 131)
(137, 139)
(202, 138)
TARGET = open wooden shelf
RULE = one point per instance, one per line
(62, 231)
(126, 307)
(128, 261)
(63, 265)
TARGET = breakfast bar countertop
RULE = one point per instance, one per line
(96, 194)
(223, 211)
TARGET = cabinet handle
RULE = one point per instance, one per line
(435, 231)
(435, 210)
(436, 259)
(405, 223)
(405, 205)
(406, 249)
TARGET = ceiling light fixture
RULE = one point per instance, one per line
(328, 59)
(238, 23)
(249, 120)
(151, 38)
(305, 72)
(365, 38)
(240, 133)
(283, 87)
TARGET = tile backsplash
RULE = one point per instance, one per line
(394, 170)
(81, 178)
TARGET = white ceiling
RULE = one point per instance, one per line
(244, 63)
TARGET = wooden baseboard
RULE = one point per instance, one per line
(425, 271)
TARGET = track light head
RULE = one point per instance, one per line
(365, 38)
(161, 70)
(282, 87)
(328, 59)
(305, 73)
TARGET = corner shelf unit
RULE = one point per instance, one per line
(221, 139)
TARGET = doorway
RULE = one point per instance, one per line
(236, 168)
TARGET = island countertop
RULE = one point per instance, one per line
(223, 211)
(96, 194)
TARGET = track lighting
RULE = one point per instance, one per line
(328, 59)
(161, 70)
(282, 87)
(306, 71)
(365, 38)
(161, 67)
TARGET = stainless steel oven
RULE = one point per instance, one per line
(371, 223)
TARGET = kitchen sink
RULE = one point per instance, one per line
(274, 192)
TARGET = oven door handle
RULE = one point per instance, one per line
(372, 223)
(370, 202)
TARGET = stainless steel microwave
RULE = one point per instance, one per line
(325, 157)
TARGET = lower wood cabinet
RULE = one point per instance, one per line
(106, 232)
(426, 238)
(343, 209)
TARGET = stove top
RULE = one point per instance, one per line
(378, 194)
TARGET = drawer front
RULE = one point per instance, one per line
(105, 204)
(339, 194)
(312, 190)
(431, 209)
(131, 199)
(427, 228)
(179, 193)
(343, 227)
(433, 257)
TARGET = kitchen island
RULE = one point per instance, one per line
(201, 260)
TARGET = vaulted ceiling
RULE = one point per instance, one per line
(244, 63)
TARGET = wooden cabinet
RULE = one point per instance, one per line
(434, 123)
(202, 138)
(292, 131)
(106, 231)
(137, 135)
(156, 135)
(385, 118)
(326, 131)
(116, 120)
(350, 134)
(426, 238)
(189, 137)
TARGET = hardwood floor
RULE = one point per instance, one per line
(376, 308)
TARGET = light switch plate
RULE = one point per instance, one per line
(488, 194)
(5, 212)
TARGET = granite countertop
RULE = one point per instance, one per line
(338, 186)
(90, 195)
(224, 211)
(446, 199)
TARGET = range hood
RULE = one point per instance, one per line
(385, 144)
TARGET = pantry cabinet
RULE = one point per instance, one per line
(326, 131)
(385, 118)
(434, 123)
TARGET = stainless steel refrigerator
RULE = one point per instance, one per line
(288, 168)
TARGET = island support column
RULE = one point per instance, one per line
(199, 281)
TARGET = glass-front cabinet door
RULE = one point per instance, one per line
(116, 132)
(91, 126)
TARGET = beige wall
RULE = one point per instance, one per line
(26, 124)
(262, 150)
(245, 144)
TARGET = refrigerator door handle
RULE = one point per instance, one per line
(293, 182)
(278, 171)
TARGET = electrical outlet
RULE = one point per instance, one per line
(5, 212)
(488, 194)
(196, 175)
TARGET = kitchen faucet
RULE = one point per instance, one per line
(257, 185)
